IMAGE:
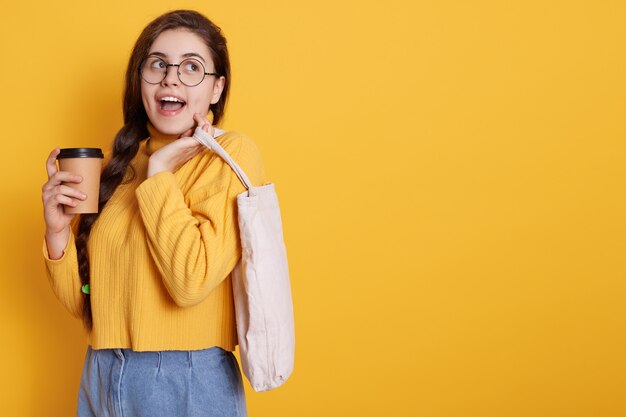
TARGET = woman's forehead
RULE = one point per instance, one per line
(179, 43)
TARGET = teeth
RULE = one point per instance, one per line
(174, 99)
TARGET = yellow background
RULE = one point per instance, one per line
(451, 176)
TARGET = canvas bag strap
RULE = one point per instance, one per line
(210, 142)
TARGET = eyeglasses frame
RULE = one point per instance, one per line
(167, 65)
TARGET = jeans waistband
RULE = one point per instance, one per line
(164, 358)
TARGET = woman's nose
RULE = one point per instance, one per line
(171, 75)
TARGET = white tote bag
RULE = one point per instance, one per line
(261, 288)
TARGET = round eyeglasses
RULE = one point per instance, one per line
(190, 71)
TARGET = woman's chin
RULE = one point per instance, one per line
(173, 129)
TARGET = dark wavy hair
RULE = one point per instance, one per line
(127, 140)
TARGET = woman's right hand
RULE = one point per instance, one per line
(55, 196)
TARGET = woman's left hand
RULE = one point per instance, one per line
(172, 156)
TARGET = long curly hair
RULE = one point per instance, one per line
(128, 138)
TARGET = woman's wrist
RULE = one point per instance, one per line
(154, 168)
(56, 242)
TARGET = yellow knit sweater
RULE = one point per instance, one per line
(161, 253)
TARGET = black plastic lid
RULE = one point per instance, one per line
(80, 153)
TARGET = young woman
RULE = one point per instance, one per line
(157, 257)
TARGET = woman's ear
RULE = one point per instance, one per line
(217, 89)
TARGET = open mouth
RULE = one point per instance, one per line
(170, 103)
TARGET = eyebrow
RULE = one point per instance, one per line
(187, 55)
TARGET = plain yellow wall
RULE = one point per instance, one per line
(451, 176)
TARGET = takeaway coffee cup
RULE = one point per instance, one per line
(86, 162)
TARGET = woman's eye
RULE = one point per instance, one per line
(158, 64)
(191, 67)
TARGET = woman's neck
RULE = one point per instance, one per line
(157, 140)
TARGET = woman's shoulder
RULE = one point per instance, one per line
(243, 150)
(239, 146)
(237, 143)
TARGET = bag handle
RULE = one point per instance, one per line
(210, 142)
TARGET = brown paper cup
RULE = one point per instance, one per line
(86, 162)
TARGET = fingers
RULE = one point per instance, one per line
(190, 148)
(188, 144)
(51, 162)
(204, 124)
(65, 200)
(70, 192)
(180, 148)
(56, 177)
(55, 187)
(173, 155)
(61, 177)
(63, 190)
(62, 194)
(201, 121)
(209, 129)
(56, 195)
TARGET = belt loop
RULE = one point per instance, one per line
(190, 355)
(159, 362)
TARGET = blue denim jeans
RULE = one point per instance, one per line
(124, 383)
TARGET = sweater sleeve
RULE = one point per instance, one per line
(63, 277)
(194, 239)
